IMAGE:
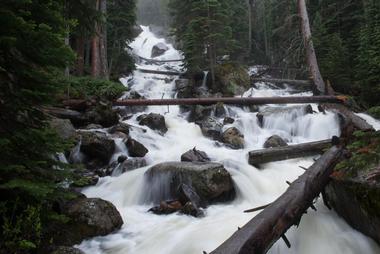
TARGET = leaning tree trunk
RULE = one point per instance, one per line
(309, 47)
(259, 234)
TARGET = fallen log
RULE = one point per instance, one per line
(358, 122)
(259, 234)
(257, 157)
(74, 116)
(302, 83)
(168, 73)
(158, 61)
(231, 101)
(311, 56)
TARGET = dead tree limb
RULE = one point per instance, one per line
(259, 234)
(258, 157)
(311, 56)
(149, 60)
(304, 83)
(231, 101)
(168, 73)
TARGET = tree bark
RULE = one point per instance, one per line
(103, 40)
(80, 50)
(259, 234)
(230, 101)
(311, 56)
(258, 157)
(95, 58)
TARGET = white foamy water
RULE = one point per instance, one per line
(145, 233)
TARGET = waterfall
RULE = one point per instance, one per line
(145, 233)
(204, 81)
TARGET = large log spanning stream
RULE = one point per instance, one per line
(231, 101)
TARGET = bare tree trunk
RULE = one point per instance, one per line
(310, 51)
(259, 234)
(95, 58)
(103, 40)
(80, 50)
(250, 4)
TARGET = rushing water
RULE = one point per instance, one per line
(145, 233)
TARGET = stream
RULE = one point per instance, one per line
(320, 231)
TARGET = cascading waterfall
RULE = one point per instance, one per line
(145, 233)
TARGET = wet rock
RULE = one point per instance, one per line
(136, 30)
(133, 163)
(192, 210)
(63, 127)
(92, 126)
(96, 146)
(187, 194)
(200, 113)
(67, 250)
(219, 110)
(233, 138)
(228, 120)
(77, 118)
(211, 181)
(211, 128)
(127, 111)
(85, 178)
(103, 114)
(274, 141)
(184, 88)
(120, 127)
(195, 155)
(135, 148)
(90, 217)
(121, 158)
(153, 121)
(159, 49)
(231, 79)
(292, 112)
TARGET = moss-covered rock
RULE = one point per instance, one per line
(354, 190)
(231, 79)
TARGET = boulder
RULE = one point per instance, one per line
(63, 127)
(153, 121)
(219, 110)
(231, 79)
(126, 111)
(211, 127)
(159, 49)
(166, 207)
(293, 112)
(192, 210)
(120, 127)
(274, 141)
(184, 88)
(96, 146)
(195, 155)
(103, 114)
(67, 250)
(233, 138)
(200, 113)
(211, 181)
(90, 217)
(135, 148)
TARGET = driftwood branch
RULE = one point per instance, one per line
(258, 157)
(259, 234)
(231, 100)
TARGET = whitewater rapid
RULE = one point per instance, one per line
(145, 233)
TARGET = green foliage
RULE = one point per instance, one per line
(375, 112)
(209, 29)
(21, 227)
(365, 154)
(87, 87)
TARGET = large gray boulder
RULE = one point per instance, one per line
(63, 127)
(211, 181)
(159, 49)
(97, 146)
(211, 127)
(293, 112)
(90, 217)
(274, 141)
(233, 138)
(153, 121)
